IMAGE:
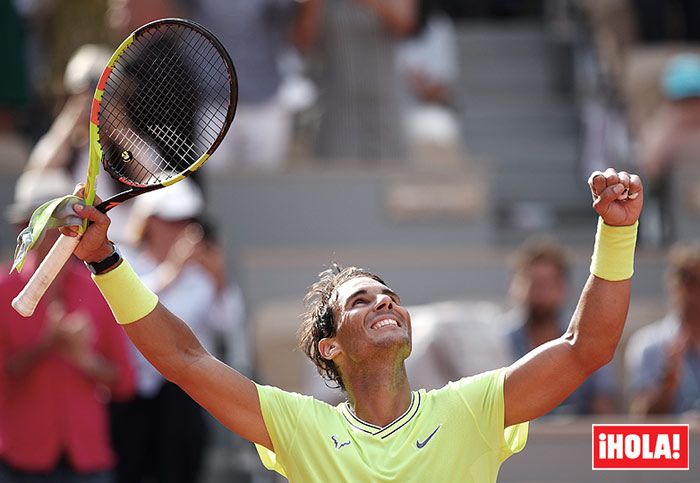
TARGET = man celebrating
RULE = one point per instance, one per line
(358, 334)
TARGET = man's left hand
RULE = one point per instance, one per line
(617, 196)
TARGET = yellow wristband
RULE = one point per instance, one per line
(127, 296)
(613, 253)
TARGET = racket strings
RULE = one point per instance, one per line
(166, 104)
(150, 157)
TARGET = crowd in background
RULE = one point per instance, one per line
(342, 83)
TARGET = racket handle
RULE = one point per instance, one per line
(31, 294)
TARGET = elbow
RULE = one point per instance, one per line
(602, 359)
(183, 368)
(593, 355)
(596, 358)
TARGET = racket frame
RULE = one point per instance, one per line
(135, 190)
(27, 300)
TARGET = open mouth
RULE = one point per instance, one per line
(384, 322)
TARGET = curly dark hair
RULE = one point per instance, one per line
(317, 321)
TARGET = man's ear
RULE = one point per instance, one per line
(328, 348)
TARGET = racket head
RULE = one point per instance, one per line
(163, 104)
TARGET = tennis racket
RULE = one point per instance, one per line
(161, 107)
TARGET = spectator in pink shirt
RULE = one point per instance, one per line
(59, 367)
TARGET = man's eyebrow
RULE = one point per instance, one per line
(392, 294)
(385, 291)
(362, 291)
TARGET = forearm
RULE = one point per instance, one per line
(600, 316)
(538, 382)
(598, 321)
(166, 342)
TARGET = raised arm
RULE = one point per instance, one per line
(172, 348)
(542, 379)
(169, 344)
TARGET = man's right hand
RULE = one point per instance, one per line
(94, 245)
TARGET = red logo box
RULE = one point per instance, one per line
(640, 447)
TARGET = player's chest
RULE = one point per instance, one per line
(423, 436)
(416, 452)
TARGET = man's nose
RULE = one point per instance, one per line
(384, 302)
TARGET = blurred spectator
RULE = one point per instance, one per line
(539, 289)
(56, 29)
(125, 16)
(452, 340)
(670, 136)
(663, 359)
(664, 20)
(257, 35)
(57, 367)
(428, 63)
(227, 316)
(162, 433)
(361, 119)
(67, 138)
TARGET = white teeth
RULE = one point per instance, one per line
(384, 323)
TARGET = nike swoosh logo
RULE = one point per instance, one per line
(420, 444)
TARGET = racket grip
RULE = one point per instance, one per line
(31, 294)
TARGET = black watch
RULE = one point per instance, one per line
(106, 263)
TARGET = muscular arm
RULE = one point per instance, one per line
(172, 348)
(542, 379)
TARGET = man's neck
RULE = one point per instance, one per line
(379, 397)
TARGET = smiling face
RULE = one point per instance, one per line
(371, 325)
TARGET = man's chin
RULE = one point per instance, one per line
(395, 341)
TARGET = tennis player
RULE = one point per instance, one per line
(358, 334)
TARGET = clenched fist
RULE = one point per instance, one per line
(617, 196)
